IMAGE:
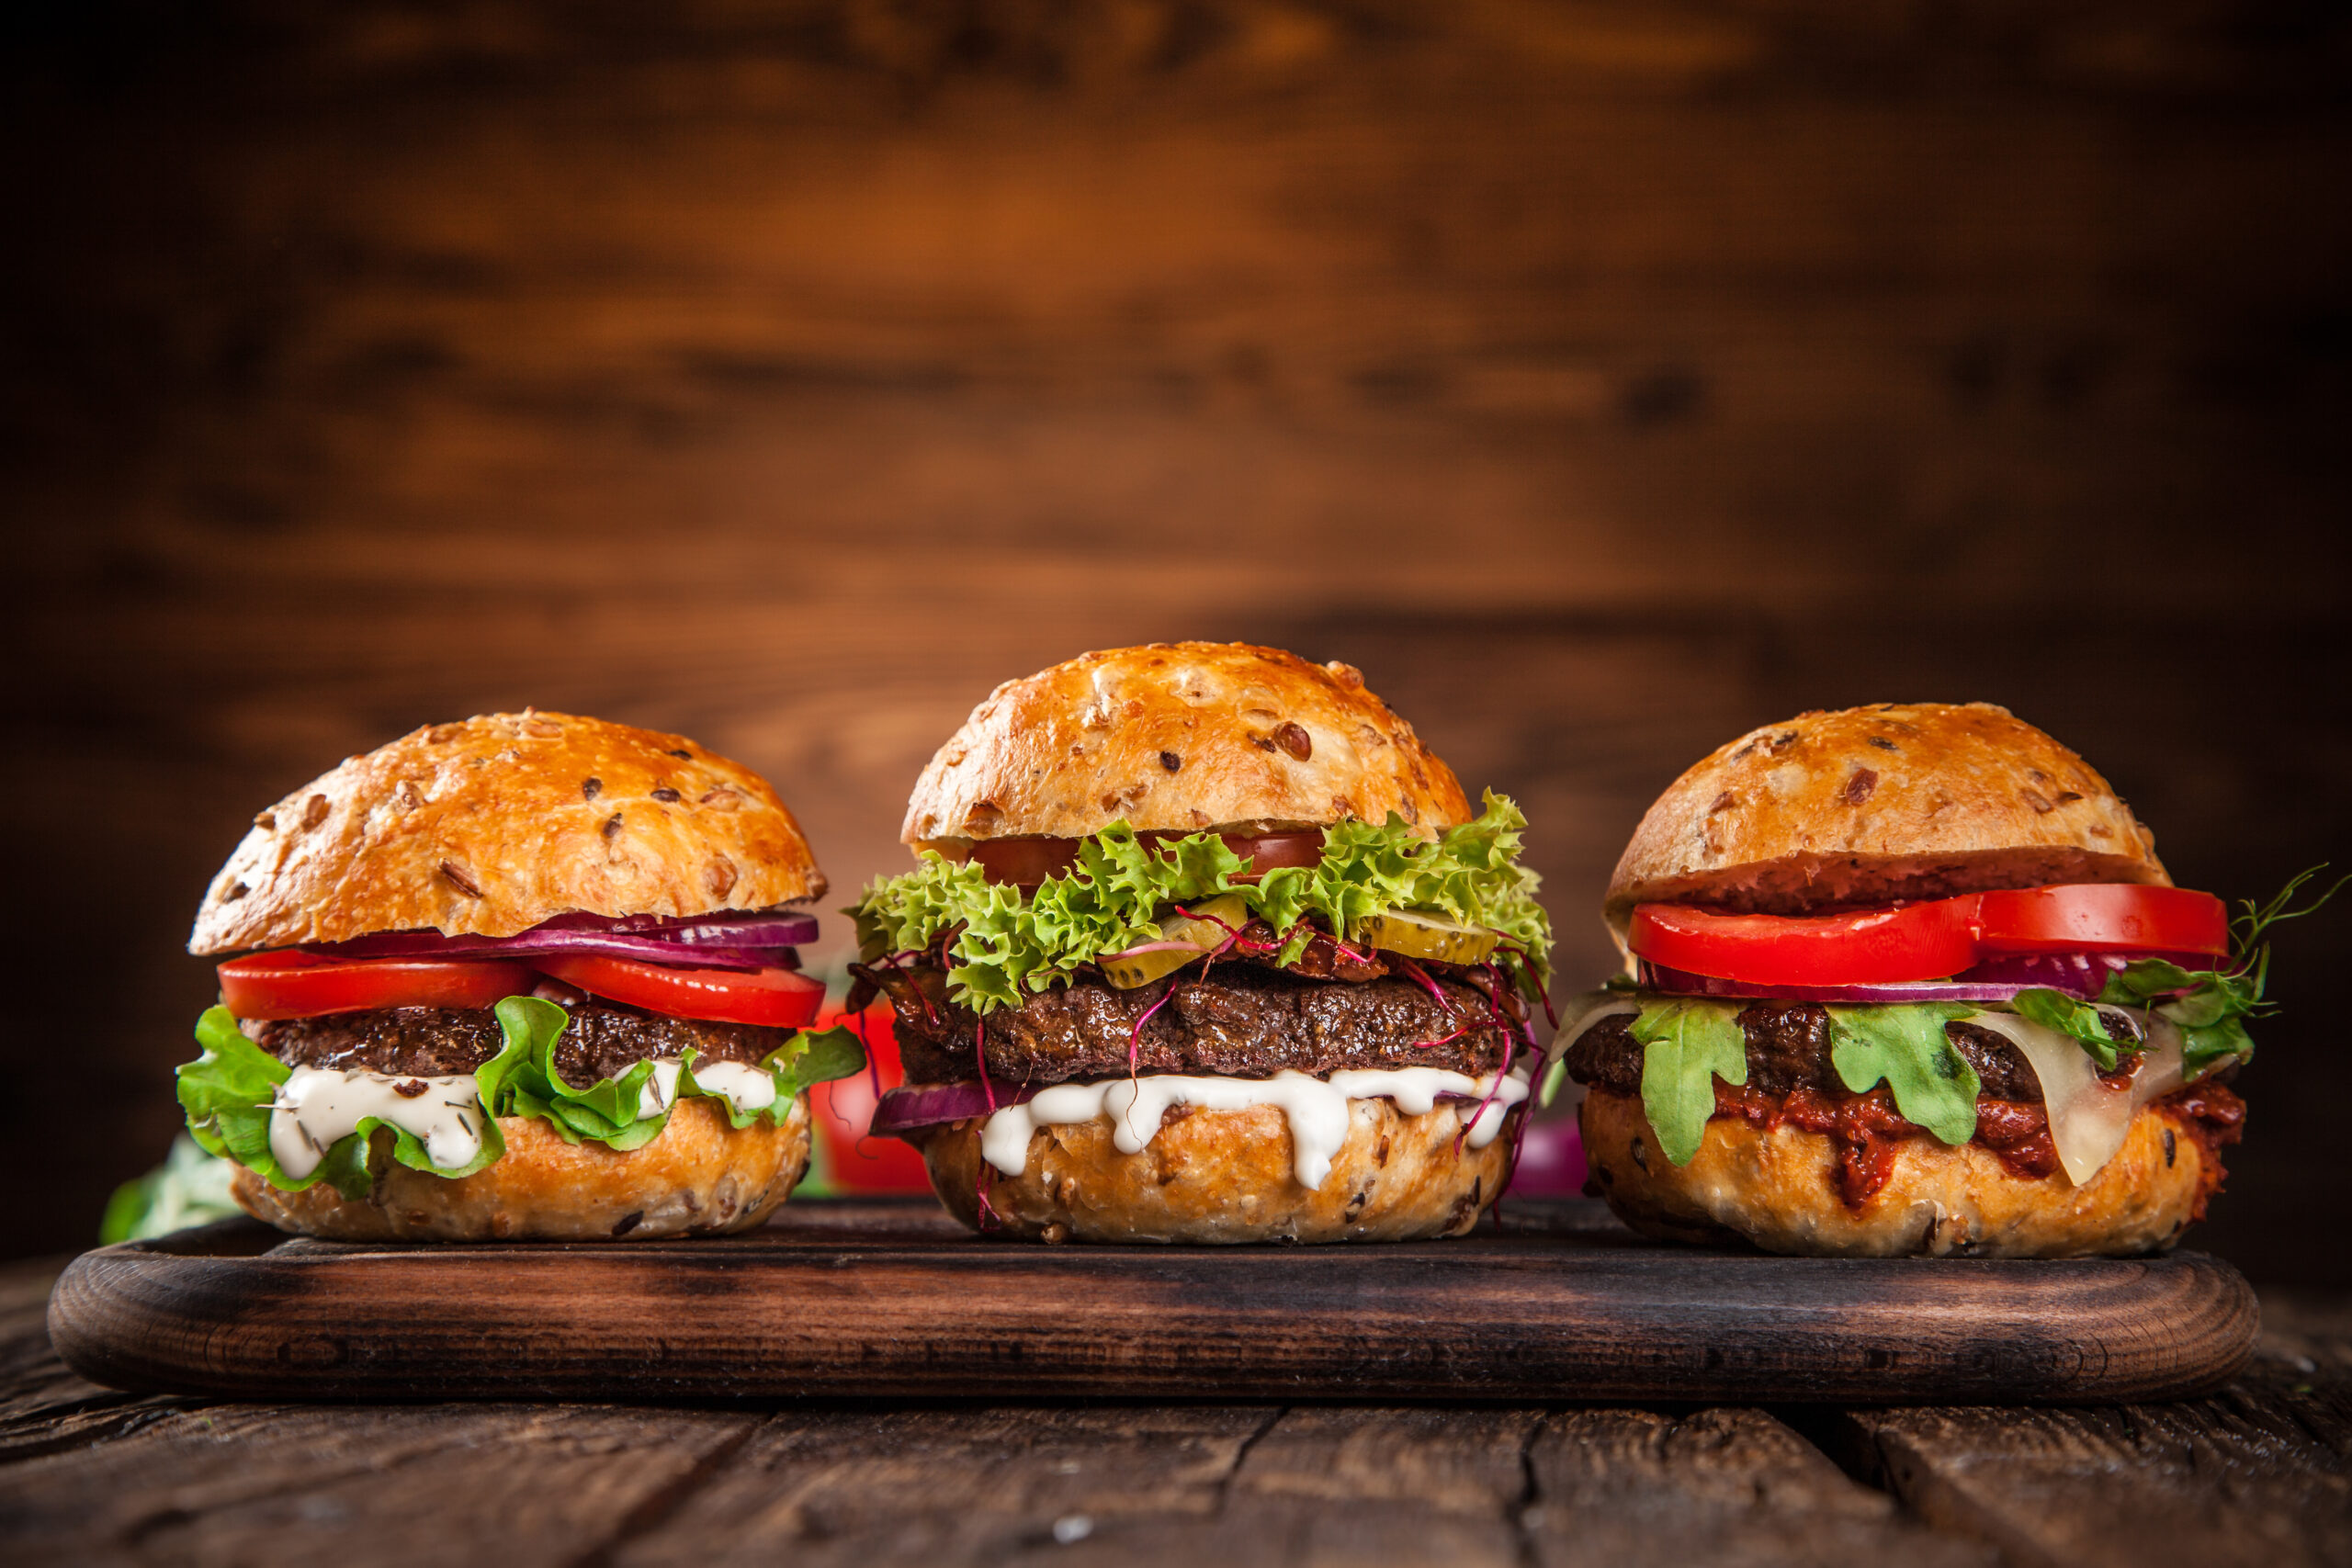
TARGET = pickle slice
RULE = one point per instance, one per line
(1432, 937)
(1205, 935)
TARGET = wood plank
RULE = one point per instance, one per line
(2259, 1474)
(244, 1482)
(951, 1485)
(879, 1298)
(1615, 1486)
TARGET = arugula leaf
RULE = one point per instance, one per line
(1686, 1045)
(1013, 944)
(1905, 1046)
(2210, 1005)
(2076, 1018)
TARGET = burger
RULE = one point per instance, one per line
(1910, 979)
(1204, 945)
(526, 976)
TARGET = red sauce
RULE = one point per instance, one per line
(2212, 1116)
(1867, 1130)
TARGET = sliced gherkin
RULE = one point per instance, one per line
(1128, 971)
(1431, 937)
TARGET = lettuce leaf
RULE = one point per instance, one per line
(190, 1187)
(1906, 1047)
(1687, 1045)
(2075, 1017)
(1013, 944)
(227, 1093)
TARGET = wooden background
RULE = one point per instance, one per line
(1603, 379)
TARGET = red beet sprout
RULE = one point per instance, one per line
(1134, 1035)
(980, 1055)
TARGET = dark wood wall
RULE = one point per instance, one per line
(1603, 379)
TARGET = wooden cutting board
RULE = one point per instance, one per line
(863, 1298)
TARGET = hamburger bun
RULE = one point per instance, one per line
(1778, 1190)
(492, 825)
(1225, 1176)
(1909, 800)
(1178, 737)
(488, 828)
(700, 1177)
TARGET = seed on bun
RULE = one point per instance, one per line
(526, 976)
(1178, 738)
(1204, 946)
(1909, 978)
(1912, 800)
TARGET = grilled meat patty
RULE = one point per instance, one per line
(1241, 1021)
(604, 1039)
(1788, 1048)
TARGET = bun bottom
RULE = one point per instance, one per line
(1225, 1176)
(1778, 1190)
(700, 1177)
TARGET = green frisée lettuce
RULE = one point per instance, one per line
(229, 1092)
(1012, 944)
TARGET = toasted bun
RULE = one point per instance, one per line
(1778, 1190)
(1224, 1176)
(699, 1177)
(488, 827)
(1917, 800)
(1178, 736)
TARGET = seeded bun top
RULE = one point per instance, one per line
(1898, 800)
(1178, 737)
(489, 826)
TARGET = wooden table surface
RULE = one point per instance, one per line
(2260, 1473)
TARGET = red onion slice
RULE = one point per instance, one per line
(540, 939)
(1996, 981)
(721, 927)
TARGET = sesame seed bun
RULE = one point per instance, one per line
(1898, 800)
(492, 825)
(1178, 737)
(1225, 1176)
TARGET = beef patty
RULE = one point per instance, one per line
(604, 1039)
(1243, 1020)
(1788, 1049)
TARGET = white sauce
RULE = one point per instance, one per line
(2088, 1119)
(746, 1088)
(316, 1108)
(1316, 1108)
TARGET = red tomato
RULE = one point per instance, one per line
(2104, 915)
(843, 1109)
(1868, 947)
(298, 984)
(779, 999)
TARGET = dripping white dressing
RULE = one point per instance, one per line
(1316, 1108)
(746, 1088)
(318, 1107)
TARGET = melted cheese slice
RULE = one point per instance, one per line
(2088, 1118)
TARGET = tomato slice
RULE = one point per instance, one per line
(1865, 947)
(2092, 917)
(778, 998)
(1026, 863)
(291, 983)
(842, 1111)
